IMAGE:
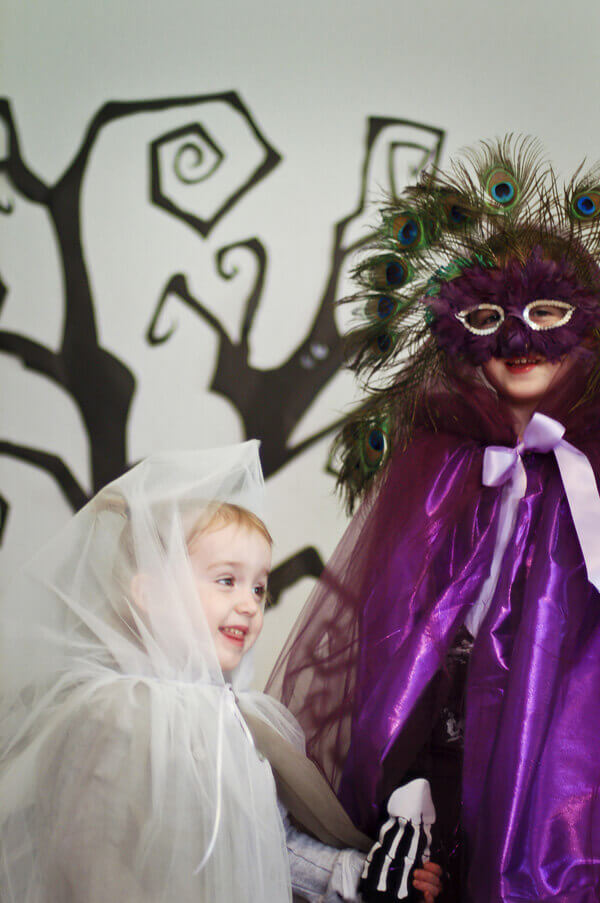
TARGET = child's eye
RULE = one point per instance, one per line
(226, 581)
(260, 591)
(483, 318)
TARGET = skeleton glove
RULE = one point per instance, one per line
(404, 842)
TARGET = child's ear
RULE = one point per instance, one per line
(140, 590)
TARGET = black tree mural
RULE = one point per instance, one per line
(195, 177)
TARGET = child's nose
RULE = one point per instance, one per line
(247, 603)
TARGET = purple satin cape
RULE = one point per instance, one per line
(358, 670)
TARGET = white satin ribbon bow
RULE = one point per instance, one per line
(543, 434)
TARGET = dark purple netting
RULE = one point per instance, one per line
(359, 668)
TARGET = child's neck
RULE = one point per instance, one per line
(522, 414)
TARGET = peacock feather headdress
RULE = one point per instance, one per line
(493, 231)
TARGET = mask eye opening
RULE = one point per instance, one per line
(467, 319)
(554, 321)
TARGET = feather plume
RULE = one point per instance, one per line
(496, 203)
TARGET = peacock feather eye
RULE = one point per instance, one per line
(374, 446)
(382, 344)
(385, 307)
(407, 230)
(586, 205)
(455, 211)
(456, 214)
(391, 272)
(382, 307)
(502, 187)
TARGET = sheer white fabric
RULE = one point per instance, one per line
(128, 773)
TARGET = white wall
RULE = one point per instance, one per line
(311, 73)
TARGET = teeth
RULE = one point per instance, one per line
(521, 360)
(234, 631)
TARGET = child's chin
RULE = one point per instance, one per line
(229, 663)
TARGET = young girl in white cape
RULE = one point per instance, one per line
(128, 770)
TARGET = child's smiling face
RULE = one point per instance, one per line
(231, 565)
(525, 378)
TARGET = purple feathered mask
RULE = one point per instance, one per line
(503, 312)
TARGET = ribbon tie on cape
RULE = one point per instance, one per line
(543, 434)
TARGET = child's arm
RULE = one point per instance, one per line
(324, 874)
(321, 873)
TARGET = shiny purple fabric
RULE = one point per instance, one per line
(359, 670)
(531, 785)
(531, 777)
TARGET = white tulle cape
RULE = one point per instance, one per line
(127, 770)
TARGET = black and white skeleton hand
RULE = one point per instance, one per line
(404, 842)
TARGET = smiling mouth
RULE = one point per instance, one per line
(524, 363)
(235, 635)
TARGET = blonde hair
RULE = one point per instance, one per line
(221, 514)
(215, 515)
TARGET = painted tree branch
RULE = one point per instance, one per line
(305, 563)
(33, 355)
(53, 465)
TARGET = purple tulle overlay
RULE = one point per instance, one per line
(359, 668)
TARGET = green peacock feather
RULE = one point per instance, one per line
(497, 201)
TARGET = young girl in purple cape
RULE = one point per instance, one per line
(455, 634)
